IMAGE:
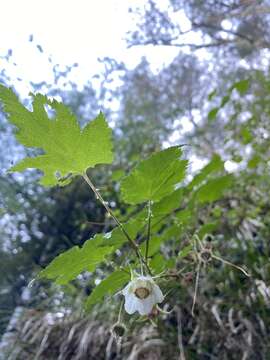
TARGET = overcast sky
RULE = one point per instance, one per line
(69, 31)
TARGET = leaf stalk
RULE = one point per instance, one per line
(134, 246)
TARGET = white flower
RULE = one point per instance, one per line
(141, 294)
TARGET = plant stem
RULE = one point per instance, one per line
(148, 231)
(231, 264)
(196, 287)
(110, 212)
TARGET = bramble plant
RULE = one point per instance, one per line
(157, 189)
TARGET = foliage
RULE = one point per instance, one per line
(229, 128)
(69, 265)
(68, 150)
(110, 285)
(155, 177)
(153, 180)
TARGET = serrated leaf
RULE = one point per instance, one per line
(154, 245)
(116, 238)
(215, 165)
(173, 232)
(68, 265)
(168, 203)
(183, 216)
(158, 263)
(68, 149)
(213, 189)
(117, 175)
(155, 177)
(109, 286)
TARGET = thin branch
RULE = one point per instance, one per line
(179, 332)
(194, 47)
(221, 29)
(231, 264)
(110, 212)
(95, 223)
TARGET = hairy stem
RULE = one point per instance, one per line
(110, 212)
(148, 231)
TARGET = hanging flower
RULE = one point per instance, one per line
(141, 294)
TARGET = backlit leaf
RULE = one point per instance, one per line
(68, 265)
(213, 189)
(155, 177)
(67, 149)
(213, 114)
(168, 203)
(241, 86)
(215, 165)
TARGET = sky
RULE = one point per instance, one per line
(69, 32)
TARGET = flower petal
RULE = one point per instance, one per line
(127, 289)
(131, 303)
(145, 306)
(157, 293)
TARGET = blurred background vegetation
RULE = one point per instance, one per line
(215, 97)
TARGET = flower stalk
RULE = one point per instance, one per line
(110, 212)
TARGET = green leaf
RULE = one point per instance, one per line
(68, 265)
(185, 251)
(168, 203)
(116, 238)
(108, 286)
(213, 114)
(158, 263)
(215, 165)
(207, 229)
(173, 232)
(212, 95)
(246, 135)
(154, 245)
(254, 161)
(183, 216)
(225, 100)
(241, 86)
(213, 189)
(68, 149)
(155, 177)
(117, 175)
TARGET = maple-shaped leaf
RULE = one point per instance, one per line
(67, 149)
(154, 178)
(213, 189)
(68, 265)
